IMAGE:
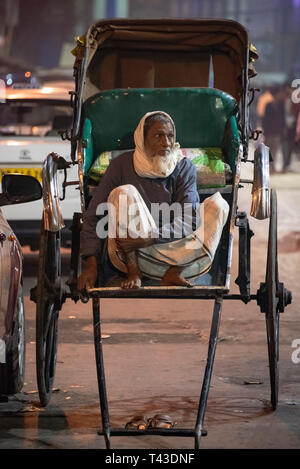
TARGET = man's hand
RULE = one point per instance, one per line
(132, 244)
(89, 274)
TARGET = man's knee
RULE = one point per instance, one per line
(124, 189)
(219, 204)
(224, 206)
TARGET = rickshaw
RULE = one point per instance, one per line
(198, 71)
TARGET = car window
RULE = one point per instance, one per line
(34, 118)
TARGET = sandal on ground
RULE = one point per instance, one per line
(139, 422)
(161, 421)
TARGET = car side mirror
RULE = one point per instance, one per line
(18, 189)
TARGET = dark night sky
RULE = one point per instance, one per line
(44, 25)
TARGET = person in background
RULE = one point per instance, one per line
(273, 124)
(297, 138)
(291, 111)
(264, 99)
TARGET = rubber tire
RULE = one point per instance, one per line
(272, 315)
(47, 312)
(12, 372)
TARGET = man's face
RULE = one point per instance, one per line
(159, 140)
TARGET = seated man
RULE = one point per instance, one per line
(141, 241)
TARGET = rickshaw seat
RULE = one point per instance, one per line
(203, 117)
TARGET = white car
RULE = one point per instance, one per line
(30, 122)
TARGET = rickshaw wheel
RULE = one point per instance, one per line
(272, 310)
(48, 299)
(273, 297)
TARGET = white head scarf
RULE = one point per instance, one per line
(142, 163)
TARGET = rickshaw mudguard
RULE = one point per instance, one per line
(52, 214)
(260, 205)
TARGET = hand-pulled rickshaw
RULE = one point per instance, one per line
(198, 71)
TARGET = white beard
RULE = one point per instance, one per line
(162, 165)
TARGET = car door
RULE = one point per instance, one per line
(10, 274)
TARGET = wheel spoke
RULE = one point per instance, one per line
(50, 353)
(47, 319)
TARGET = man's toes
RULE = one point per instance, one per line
(135, 283)
(131, 283)
(124, 284)
(182, 282)
(175, 281)
(189, 284)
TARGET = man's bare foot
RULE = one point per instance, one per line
(173, 277)
(133, 279)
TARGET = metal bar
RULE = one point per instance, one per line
(238, 297)
(162, 296)
(232, 215)
(246, 181)
(245, 116)
(184, 432)
(75, 228)
(79, 80)
(213, 290)
(245, 234)
(70, 183)
(100, 372)
(211, 190)
(158, 292)
(208, 370)
(168, 296)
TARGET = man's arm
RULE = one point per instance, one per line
(132, 244)
(90, 243)
(89, 274)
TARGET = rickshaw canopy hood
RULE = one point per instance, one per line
(158, 53)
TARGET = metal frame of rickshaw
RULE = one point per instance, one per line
(271, 296)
